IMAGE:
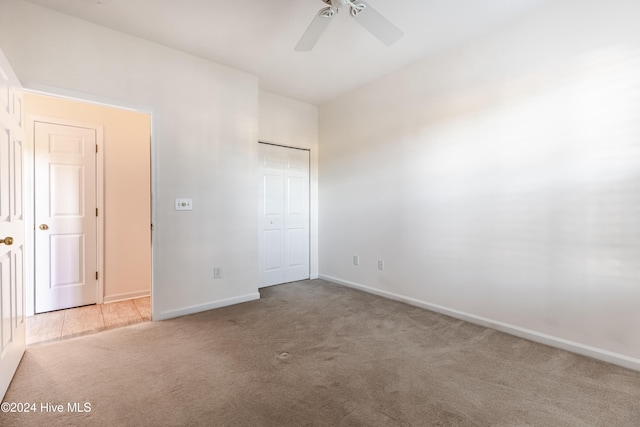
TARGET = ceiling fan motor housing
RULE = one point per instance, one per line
(336, 3)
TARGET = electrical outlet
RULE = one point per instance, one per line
(184, 204)
(217, 272)
(380, 265)
(356, 260)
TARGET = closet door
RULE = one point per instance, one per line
(284, 215)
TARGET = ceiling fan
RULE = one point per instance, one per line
(361, 11)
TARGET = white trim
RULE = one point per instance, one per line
(29, 220)
(125, 296)
(29, 178)
(205, 307)
(550, 340)
(101, 211)
(153, 189)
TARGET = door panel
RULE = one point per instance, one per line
(66, 186)
(284, 215)
(273, 251)
(65, 212)
(273, 221)
(18, 290)
(17, 179)
(5, 160)
(65, 251)
(297, 202)
(273, 194)
(5, 299)
(295, 245)
(297, 218)
(12, 309)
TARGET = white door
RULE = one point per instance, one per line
(12, 231)
(65, 216)
(284, 215)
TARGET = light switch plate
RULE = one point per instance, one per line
(184, 204)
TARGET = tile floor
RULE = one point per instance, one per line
(58, 325)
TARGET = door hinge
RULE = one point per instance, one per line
(96, 275)
(96, 211)
(96, 148)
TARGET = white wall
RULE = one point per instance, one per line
(500, 181)
(205, 128)
(292, 123)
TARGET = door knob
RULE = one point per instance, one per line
(44, 227)
(7, 241)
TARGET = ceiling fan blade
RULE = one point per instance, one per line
(376, 24)
(315, 30)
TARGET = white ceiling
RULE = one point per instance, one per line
(259, 36)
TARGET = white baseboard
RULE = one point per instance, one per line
(204, 307)
(125, 296)
(550, 340)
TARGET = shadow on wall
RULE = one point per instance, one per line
(514, 199)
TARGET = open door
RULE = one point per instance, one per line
(12, 231)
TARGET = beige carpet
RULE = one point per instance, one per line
(315, 353)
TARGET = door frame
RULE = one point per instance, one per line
(86, 98)
(309, 170)
(29, 173)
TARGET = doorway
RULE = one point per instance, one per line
(122, 252)
(86, 320)
(284, 214)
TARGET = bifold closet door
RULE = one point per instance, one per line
(284, 215)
